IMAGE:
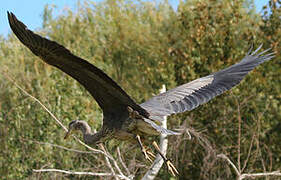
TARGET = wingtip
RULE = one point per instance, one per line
(250, 49)
(10, 14)
(253, 53)
(9, 17)
(14, 22)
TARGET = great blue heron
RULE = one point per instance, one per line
(124, 119)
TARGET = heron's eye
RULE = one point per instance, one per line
(72, 123)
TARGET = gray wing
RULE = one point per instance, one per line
(190, 95)
(108, 94)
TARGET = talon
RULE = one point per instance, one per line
(171, 168)
(148, 155)
(151, 154)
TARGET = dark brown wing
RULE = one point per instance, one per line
(110, 97)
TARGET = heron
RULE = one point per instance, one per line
(123, 118)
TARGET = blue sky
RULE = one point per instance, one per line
(30, 12)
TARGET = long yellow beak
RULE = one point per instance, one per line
(68, 134)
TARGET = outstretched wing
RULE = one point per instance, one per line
(188, 96)
(110, 97)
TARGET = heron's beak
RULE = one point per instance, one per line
(68, 134)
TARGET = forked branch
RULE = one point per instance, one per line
(241, 176)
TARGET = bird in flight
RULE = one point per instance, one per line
(123, 118)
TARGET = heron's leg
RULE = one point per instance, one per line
(171, 168)
(147, 154)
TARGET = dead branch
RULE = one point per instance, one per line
(247, 175)
(58, 146)
(35, 99)
(108, 162)
(230, 162)
(79, 173)
(254, 175)
(239, 135)
(122, 162)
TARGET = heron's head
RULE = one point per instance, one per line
(77, 125)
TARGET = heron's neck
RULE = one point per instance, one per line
(85, 128)
(90, 137)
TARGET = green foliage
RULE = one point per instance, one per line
(143, 45)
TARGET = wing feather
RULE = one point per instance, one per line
(190, 95)
(108, 94)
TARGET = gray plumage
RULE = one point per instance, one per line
(190, 95)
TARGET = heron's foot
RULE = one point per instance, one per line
(148, 155)
(171, 168)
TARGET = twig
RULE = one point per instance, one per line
(58, 146)
(35, 99)
(108, 162)
(90, 148)
(258, 145)
(78, 173)
(230, 162)
(249, 153)
(109, 156)
(254, 175)
(114, 161)
(122, 162)
(248, 175)
(239, 136)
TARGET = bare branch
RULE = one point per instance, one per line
(58, 146)
(249, 153)
(230, 162)
(122, 162)
(79, 173)
(246, 175)
(113, 160)
(35, 99)
(239, 135)
(254, 175)
(258, 144)
(108, 162)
